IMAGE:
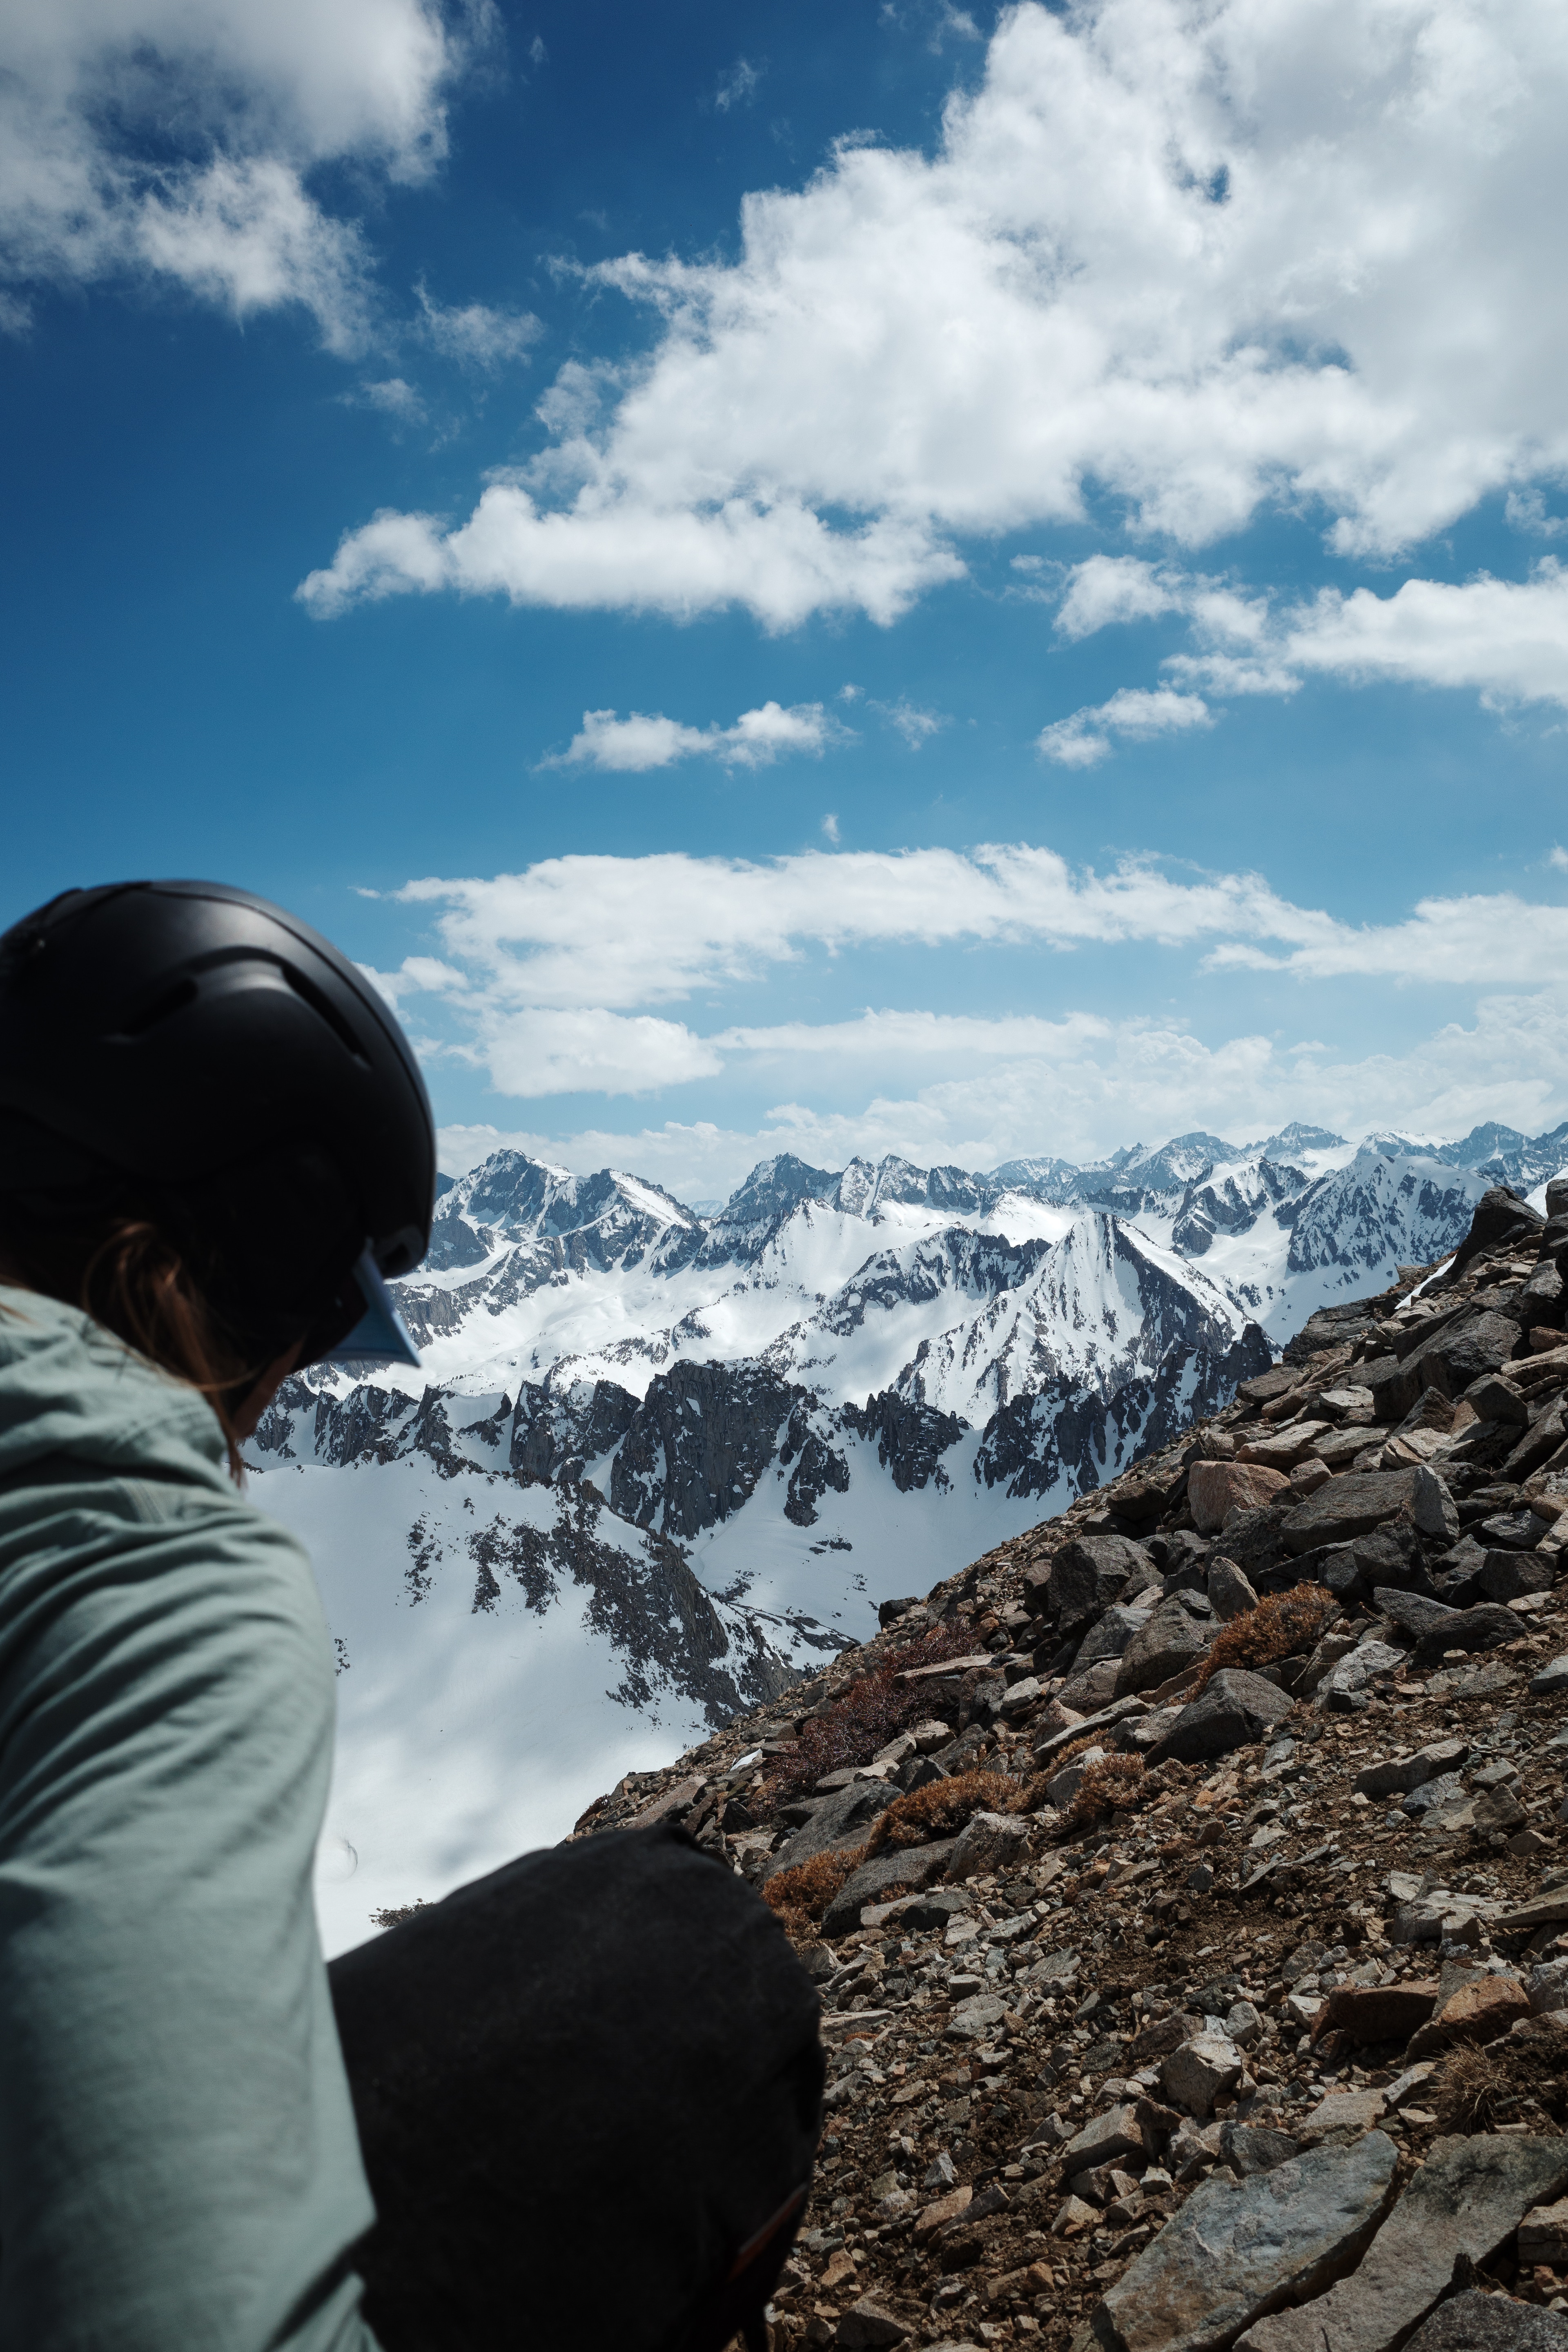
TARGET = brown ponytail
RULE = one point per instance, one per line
(129, 1276)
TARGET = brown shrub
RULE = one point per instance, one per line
(1112, 1780)
(1478, 2089)
(873, 1710)
(941, 1809)
(801, 1896)
(1278, 1627)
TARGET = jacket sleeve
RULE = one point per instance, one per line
(178, 2160)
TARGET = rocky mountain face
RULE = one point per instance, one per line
(703, 1448)
(1183, 1878)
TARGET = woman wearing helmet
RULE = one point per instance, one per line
(214, 1143)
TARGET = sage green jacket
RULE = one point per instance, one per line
(178, 2163)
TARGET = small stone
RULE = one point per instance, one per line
(1201, 2070)
(1344, 2111)
(1543, 2235)
(868, 2322)
(1200, 1878)
(1551, 1679)
(937, 2215)
(1073, 2217)
(1115, 2133)
(1406, 1773)
(939, 2173)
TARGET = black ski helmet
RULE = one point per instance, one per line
(192, 1046)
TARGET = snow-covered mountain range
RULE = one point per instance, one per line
(654, 1461)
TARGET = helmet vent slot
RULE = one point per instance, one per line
(172, 1000)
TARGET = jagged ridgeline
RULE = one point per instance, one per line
(660, 1459)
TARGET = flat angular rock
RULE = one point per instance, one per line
(1478, 2322)
(1370, 2013)
(1481, 2009)
(1109, 1635)
(1487, 1626)
(990, 1842)
(1506, 1575)
(912, 1866)
(1215, 1489)
(1551, 1679)
(1345, 1683)
(1171, 1641)
(1342, 2111)
(1233, 1709)
(1432, 1508)
(1403, 1773)
(1413, 1611)
(1469, 2197)
(1230, 1592)
(1110, 2135)
(1238, 2249)
(941, 2211)
(1283, 1448)
(843, 1818)
(1346, 1507)
(1198, 2072)
(868, 2323)
(977, 2018)
(1248, 2149)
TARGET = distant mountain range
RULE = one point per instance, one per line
(657, 1460)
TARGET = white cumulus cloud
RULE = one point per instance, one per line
(1201, 258)
(1138, 713)
(151, 137)
(627, 746)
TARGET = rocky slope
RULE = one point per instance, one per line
(1183, 1878)
(657, 1462)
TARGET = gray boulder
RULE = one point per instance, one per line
(1229, 1592)
(1478, 2322)
(1432, 1508)
(1232, 1710)
(1089, 1575)
(1110, 1637)
(1240, 2248)
(1470, 2196)
(1505, 1575)
(845, 1817)
(912, 1866)
(1174, 1638)
(1346, 1507)
(1487, 1626)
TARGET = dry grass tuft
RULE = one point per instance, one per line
(801, 1896)
(1502, 2082)
(1278, 1627)
(941, 1809)
(1113, 1780)
(873, 1710)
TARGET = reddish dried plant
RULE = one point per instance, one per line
(872, 1711)
(1278, 1627)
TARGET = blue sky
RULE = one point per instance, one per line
(968, 582)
